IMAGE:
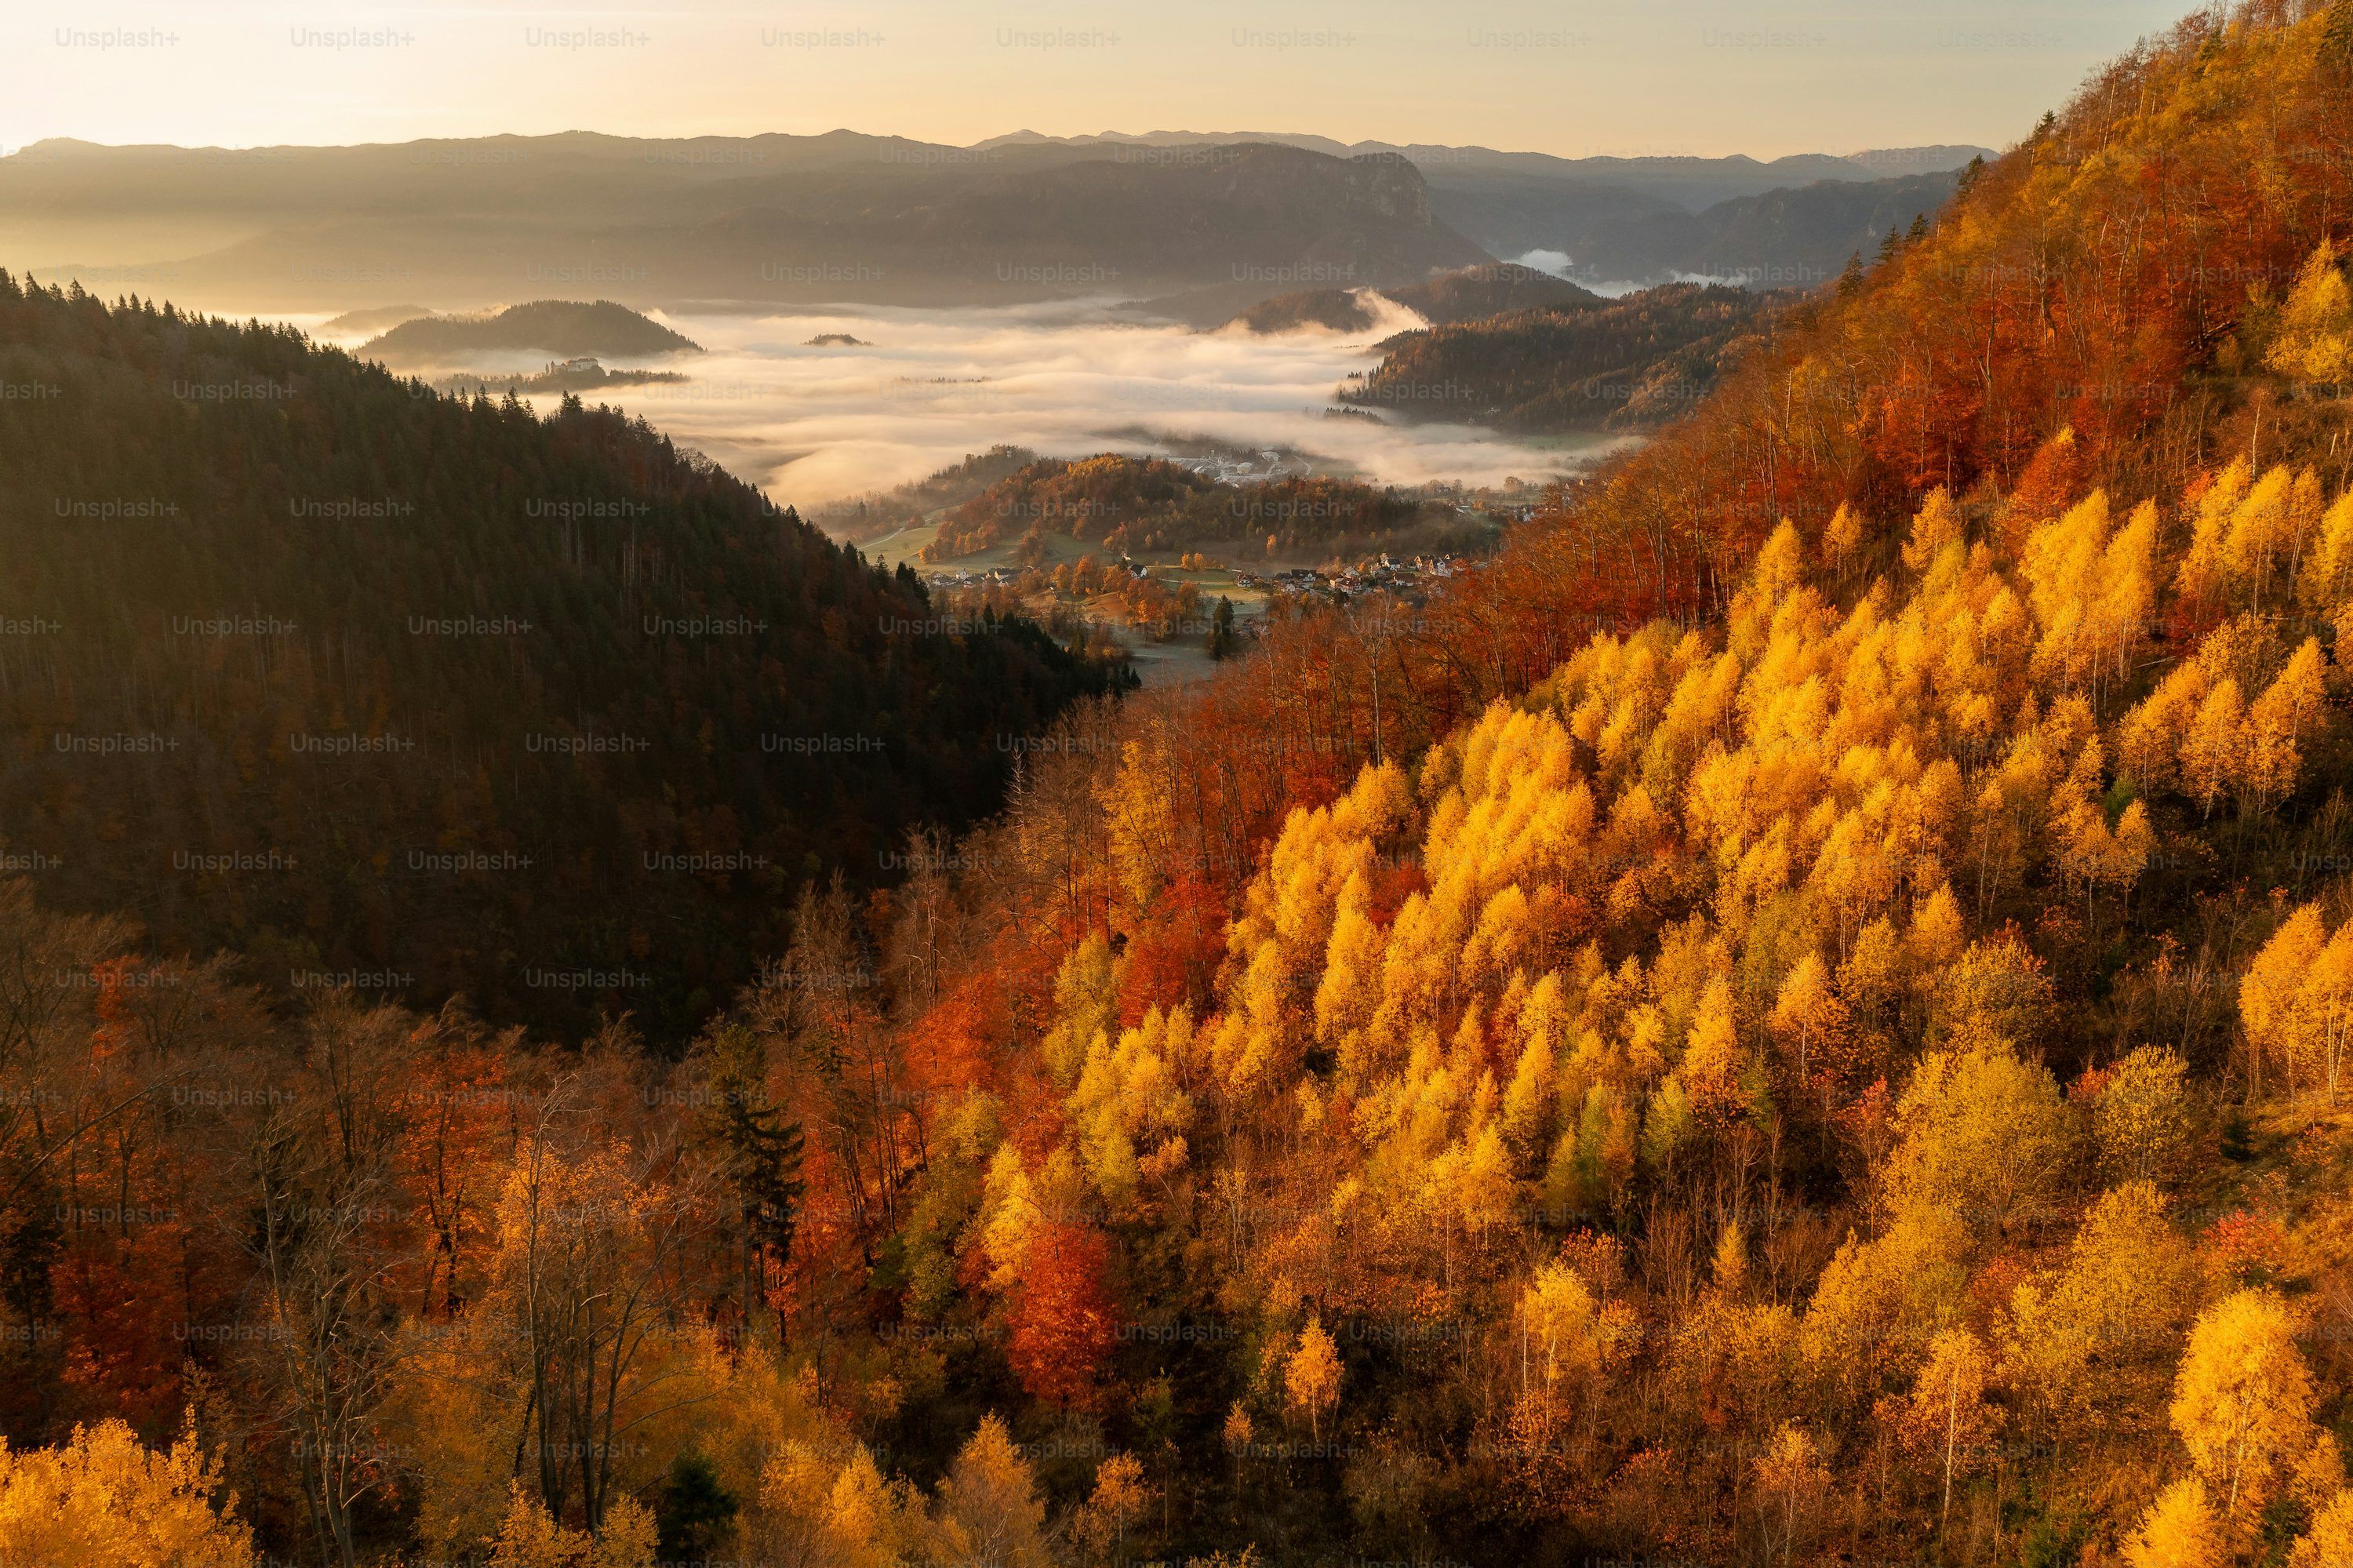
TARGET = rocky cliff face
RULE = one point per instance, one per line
(1391, 186)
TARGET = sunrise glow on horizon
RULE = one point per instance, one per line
(1686, 76)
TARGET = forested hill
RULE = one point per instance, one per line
(1633, 363)
(306, 661)
(1138, 503)
(546, 326)
(1464, 294)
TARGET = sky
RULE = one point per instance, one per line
(1570, 77)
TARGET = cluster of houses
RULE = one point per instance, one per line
(1406, 580)
(1402, 579)
(966, 578)
(1008, 577)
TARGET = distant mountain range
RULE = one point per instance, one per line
(772, 220)
(1614, 235)
(1194, 226)
(1691, 182)
(1776, 223)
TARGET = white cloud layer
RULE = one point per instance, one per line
(813, 424)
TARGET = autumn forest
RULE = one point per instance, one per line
(1800, 1011)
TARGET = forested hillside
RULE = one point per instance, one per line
(1152, 504)
(1629, 363)
(561, 327)
(862, 517)
(1462, 296)
(314, 664)
(1798, 1016)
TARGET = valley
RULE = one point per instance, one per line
(780, 848)
(826, 425)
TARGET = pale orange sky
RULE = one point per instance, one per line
(1580, 77)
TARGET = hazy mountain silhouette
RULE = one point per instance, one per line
(546, 326)
(777, 218)
(1206, 224)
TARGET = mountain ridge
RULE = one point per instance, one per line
(782, 219)
(841, 216)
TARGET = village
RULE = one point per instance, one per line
(1407, 581)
